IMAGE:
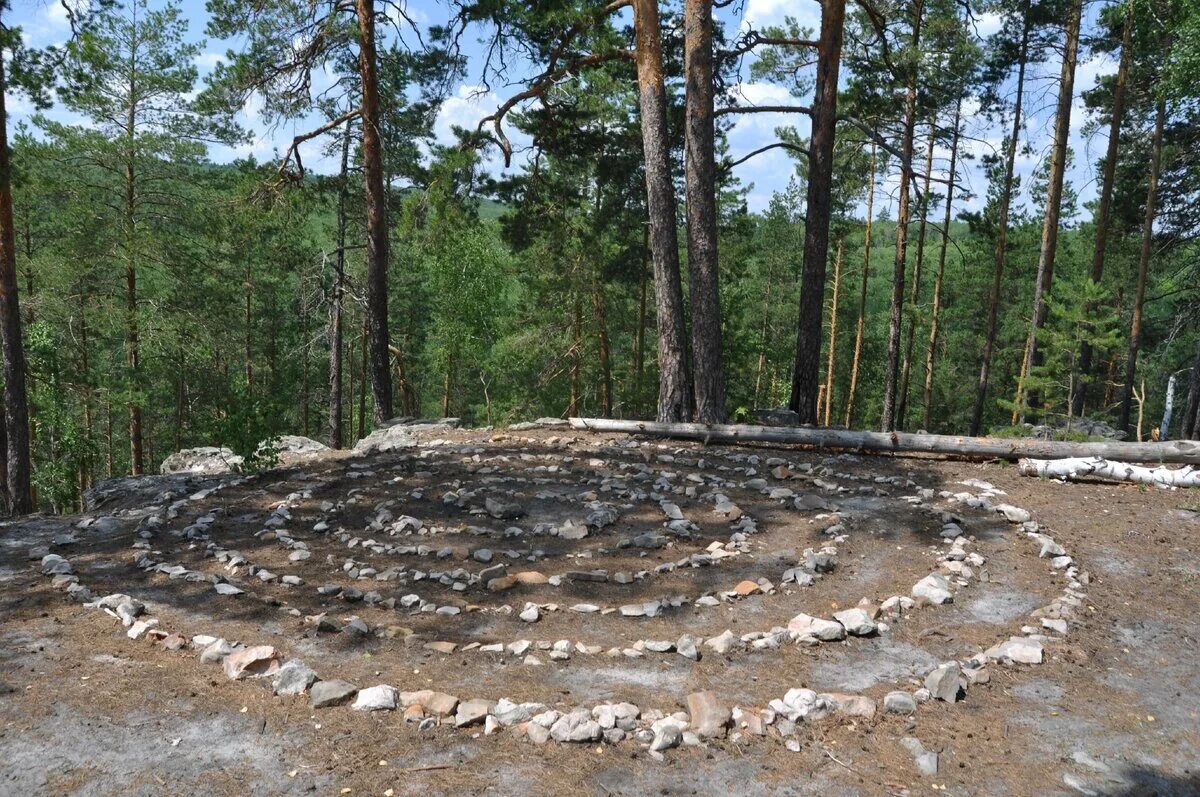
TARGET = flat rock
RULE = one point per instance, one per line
(253, 662)
(471, 712)
(1018, 649)
(293, 678)
(817, 628)
(331, 693)
(856, 621)
(376, 698)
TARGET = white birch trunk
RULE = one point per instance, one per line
(1099, 468)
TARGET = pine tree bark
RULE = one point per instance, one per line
(1058, 168)
(16, 407)
(335, 306)
(938, 280)
(603, 350)
(576, 358)
(700, 176)
(674, 380)
(833, 325)
(364, 346)
(806, 371)
(1191, 411)
(639, 337)
(764, 331)
(860, 329)
(888, 421)
(1104, 210)
(915, 293)
(1135, 325)
(377, 227)
(1010, 159)
(247, 328)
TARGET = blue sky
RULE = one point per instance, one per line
(43, 22)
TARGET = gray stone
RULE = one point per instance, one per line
(666, 736)
(686, 647)
(503, 510)
(933, 588)
(723, 642)
(331, 693)
(1018, 649)
(856, 622)
(945, 682)
(207, 460)
(899, 703)
(1014, 514)
(817, 628)
(471, 712)
(293, 678)
(577, 726)
(376, 698)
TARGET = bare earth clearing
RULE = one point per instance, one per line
(1113, 708)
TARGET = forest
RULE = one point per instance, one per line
(155, 298)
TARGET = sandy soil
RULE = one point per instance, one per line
(1114, 710)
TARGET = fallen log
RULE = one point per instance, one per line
(1176, 451)
(1099, 468)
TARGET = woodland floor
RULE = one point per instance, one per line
(1115, 708)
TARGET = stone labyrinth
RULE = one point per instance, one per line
(580, 589)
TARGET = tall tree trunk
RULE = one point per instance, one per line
(1135, 325)
(603, 351)
(377, 227)
(179, 401)
(247, 328)
(639, 338)
(1058, 168)
(936, 309)
(365, 348)
(350, 386)
(700, 174)
(763, 333)
(860, 329)
(674, 380)
(888, 421)
(16, 407)
(85, 376)
(806, 370)
(576, 357)
(1103, 212)
(111, 454)
(915, 291)
(833, 324)
(306, 353)
(1191, 411)
(335, 306)
(447, 384)
(989, 340)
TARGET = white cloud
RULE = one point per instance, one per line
(761, 13)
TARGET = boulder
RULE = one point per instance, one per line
(205, 460)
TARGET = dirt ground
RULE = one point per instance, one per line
(1114, 709)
